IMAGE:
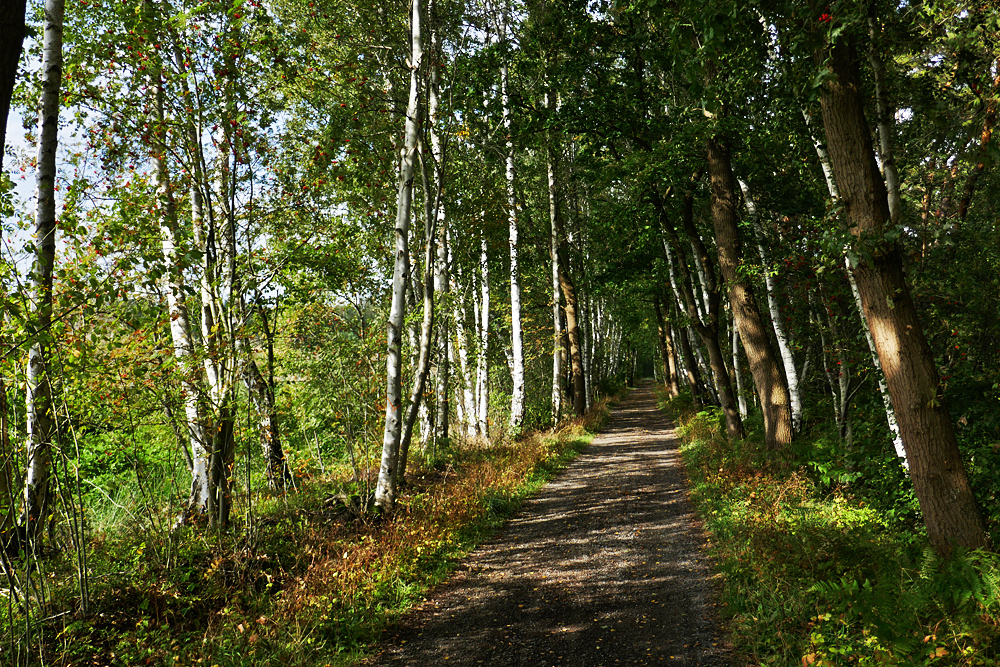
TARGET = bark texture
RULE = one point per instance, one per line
(703, 308)
(667, 354)
(517, 342)
(939, 477)
(38, 389)
(771, 388)
(11, 37)
(385, 490)
(781, 334)
(557, 335)
(573, 334)
(426, 327)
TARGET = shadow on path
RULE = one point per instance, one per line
(604, 567)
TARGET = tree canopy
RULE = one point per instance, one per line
(267, 216)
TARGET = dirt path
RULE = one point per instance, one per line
(604, 567)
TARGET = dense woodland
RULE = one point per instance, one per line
(275, 241)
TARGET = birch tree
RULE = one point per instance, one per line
(780, 331)
(517, 335)
(385, 491)
(38, 386)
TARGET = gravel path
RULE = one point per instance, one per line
(605, 566)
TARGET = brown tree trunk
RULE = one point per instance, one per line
(939, 478)
(573, 334)
(690, 367)
(666, 350)
(706, 322)
(11, 36)
(771, 388)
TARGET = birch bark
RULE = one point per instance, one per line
(385, 490)
(38, 388)
(557, 334)
(483, 349)
(517, 342)
(427, 326)
(780, 331)
(883, 388)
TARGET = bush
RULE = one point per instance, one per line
(820, 568)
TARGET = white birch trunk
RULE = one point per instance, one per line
(741, 399)
(38, 389)
(780, 332)
(385, 490)
(482, 353)
(890, 413)
(887, 156)
(557, 335)
(517, 343)
(468, 402)
(177, 311)
(440, 426)
(441, 280)
(422, 365)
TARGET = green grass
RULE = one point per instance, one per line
(299, 581)
(817, 573)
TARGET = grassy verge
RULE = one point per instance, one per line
(816, 573)
(305, 580)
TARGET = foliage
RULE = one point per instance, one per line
(302, 578)
(821, 570)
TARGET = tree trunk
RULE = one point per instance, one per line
(573, 333)
(691, 367)
(666, 350)
(702, 312)
(890, 413)
(261, 391)
(586, 346)
(771, 387)
(385, 490)
(741, 399)
(557, 333)
(517, 343)
(466, 391)
(780, 332)
(939, 478)
(427, 326)
(38, 390)
(883, 121)
(11, 37)
(7, 503)
(482, 352)
(441, 285)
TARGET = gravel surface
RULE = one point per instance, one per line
(606, 566)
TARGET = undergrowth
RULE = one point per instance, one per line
(308, 579)
(818, 573)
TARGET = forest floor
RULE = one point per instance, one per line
(607, 565)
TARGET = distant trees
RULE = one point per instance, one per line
(572, 193)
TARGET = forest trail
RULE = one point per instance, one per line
(605, 566)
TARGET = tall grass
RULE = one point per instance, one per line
(305, 578)
(816, 573)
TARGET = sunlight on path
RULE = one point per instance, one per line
(604, 567)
